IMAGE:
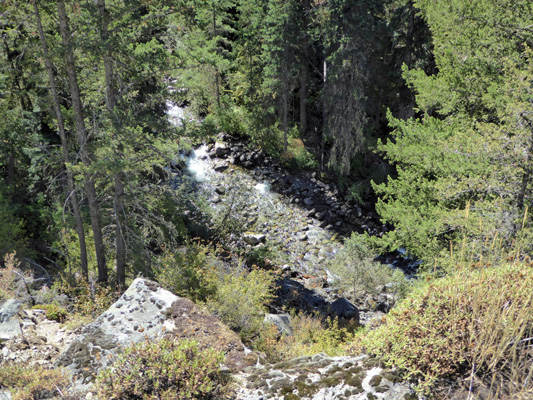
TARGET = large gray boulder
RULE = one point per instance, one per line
(9, 323)
(140, 313)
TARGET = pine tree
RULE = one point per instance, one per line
(464, 163)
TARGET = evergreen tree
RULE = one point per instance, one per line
(464, 163)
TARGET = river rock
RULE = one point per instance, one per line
(221, 149)
(308, 201)
(343, 309)
(9, 324)
(221, 166)
(253, 239)
(139, 313)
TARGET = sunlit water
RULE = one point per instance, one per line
(197, 164)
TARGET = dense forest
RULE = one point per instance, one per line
(423, 108)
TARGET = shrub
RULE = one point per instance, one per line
(222, 282)
(53, 312)
(90, 298)
(163, 370)
(32, 383)
(10, 275)
(240, 299)
(310, 335)
(188, 272)
(297, 156)
(476, 323)
(355, 270)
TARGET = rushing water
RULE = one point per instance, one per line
(197, 165)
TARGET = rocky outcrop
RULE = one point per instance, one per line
(320, 377)
(148, 312)
(139, 314)
(9, 323)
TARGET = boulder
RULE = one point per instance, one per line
(253, 239)
(221, 149)
(281, 321)
(343, 309)
(221, 166)
(9, 323)
(5, 395)
(193, 322)
(148, 312)
(139, 313)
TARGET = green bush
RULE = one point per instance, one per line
(32, 383)
(89, 299)
(310, 335)
(188, 272)
(164, 370)
(232, 292)
(240, 299)
(355, 270)
(53, 312)
(475, 323)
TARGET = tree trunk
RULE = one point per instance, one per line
(324, 114)
(303, 91)
(304, 72)
(526, 177)
(73, 196)
(82, 140)
(285, 100)
(217, 77)
(112, 100)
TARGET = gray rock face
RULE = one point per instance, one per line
(9, 324)
(5, 395)
(281, 321)
(221, 149)
(320, 377)
(140, 313)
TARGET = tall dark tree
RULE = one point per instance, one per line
(73, 195)
(82, 136)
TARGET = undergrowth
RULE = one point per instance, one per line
(164, 370)
(32, 383)
(475, 324)
(310, 335)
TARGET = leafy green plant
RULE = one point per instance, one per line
(188, 272)
(240, 299)
(297, 156)
(8, 276)
(53, 312)
(32, 383)
(163, 370)
(89, 298)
